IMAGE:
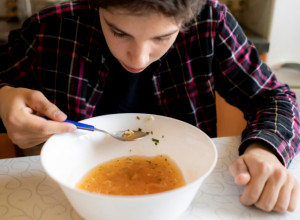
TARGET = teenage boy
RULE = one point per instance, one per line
(87, 58)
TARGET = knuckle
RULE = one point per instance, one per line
(267, 208)
(279, 174)
(39, 102)
(15, 137)
(264, 206)
(11, 120)
(253, 197)
(264, 168)
(292, 207)
(43, 130)
(35, 94)
(280, 207)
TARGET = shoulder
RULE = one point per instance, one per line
(206, 23)
(65, 10)
(65, 19)
(69, 25)
(211, 19)
(213, 9)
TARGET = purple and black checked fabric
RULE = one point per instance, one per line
(61, 51)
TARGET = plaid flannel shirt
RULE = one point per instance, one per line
(61, 52)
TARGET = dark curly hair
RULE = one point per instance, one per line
(181, 10)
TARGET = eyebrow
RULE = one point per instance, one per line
(119, 30)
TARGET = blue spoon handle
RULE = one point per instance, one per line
(78, 124)
(81, 125)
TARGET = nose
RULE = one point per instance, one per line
(138, 55)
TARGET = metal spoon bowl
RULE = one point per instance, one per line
(127, 135)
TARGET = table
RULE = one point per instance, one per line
(26, 192)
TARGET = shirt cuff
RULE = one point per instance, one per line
(269, 140)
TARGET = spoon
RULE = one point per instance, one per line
(127, 135)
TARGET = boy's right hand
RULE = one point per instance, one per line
(20, 111)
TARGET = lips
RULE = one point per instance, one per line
(133, 70)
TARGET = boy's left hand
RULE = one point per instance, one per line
(268, 184)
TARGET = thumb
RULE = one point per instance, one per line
(40, 104)
(239, 170)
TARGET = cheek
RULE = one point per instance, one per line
(115, 47)
(160, 50)
(163, 47)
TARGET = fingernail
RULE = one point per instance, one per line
(73, 128)
(59, 115)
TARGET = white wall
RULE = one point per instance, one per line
(285, 33)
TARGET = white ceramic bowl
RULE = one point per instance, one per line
(68, 157)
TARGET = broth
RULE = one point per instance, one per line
(133, 175)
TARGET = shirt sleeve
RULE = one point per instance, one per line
(270, 108)
(18, 57)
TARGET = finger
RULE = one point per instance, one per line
(254, 188)
(33, 125)
(30, 123)
(39, 103)
(49, 127)
(239, 171)
(294, 197)
(273, 187)
(38, 130)
(284, 198)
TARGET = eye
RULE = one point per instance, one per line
(163, 39)
(118, 34)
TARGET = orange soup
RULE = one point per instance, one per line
(134, 175)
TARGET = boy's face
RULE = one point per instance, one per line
(136, 41)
